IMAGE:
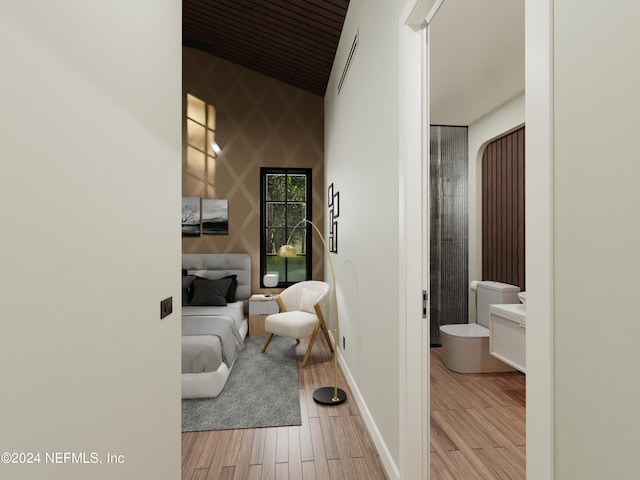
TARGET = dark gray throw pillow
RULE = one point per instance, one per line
(187, 289)
(209, 292)
(231, 293)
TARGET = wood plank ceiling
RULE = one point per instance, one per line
(293, 41)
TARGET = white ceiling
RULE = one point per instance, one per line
(476, 58)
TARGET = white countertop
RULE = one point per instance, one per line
(515, 312)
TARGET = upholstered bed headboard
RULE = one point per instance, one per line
(218, 265)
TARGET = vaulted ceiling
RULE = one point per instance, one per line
(476, 47)
(293, 41)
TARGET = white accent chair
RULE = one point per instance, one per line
(300, 314)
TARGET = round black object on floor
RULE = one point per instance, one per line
(324, 396)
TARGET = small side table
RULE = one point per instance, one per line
(260, 306)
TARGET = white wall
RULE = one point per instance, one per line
(596, 237)
(89, 194)
(361, 154)
(497, 123)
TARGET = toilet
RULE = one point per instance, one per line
(465, 347)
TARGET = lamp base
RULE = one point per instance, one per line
(324, 396)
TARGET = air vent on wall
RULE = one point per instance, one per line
(352, 52)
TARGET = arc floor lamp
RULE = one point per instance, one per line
(324, 395)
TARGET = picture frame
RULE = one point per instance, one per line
(215, 216)
(333, 238)
(333, 202)
(190, 216)
(336, 205)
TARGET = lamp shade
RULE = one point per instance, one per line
(287, 251)
(270, 279)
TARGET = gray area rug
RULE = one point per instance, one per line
(262, 391)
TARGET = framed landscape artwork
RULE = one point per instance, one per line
(190, 216)
(215, 216)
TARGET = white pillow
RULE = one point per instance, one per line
(307, 300)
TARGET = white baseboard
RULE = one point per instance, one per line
(387, 460)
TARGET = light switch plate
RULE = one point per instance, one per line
(166, 307)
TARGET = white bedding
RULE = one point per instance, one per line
(206, 359)
(221, 326)
(235, 311)
(201, 353)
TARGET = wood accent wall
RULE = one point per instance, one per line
(503, 208)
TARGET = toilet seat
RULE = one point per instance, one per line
(465, 330)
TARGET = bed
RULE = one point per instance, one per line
(216, 288)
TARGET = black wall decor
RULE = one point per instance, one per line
(333, 201)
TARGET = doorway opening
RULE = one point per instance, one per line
(476, 80)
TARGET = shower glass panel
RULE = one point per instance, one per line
(449, 228)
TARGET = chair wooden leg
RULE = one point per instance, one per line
(326, 335)
(266, 344)
(324, 326)
(311, 342)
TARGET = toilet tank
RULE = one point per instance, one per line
(493, 293)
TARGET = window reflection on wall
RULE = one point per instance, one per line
(202, 148)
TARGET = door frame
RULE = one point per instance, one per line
(413, 254)
(413, 121)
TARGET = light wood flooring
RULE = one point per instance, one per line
(331, 444)
(477, 424)
(477, 432)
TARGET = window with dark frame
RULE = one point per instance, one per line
(285, 201)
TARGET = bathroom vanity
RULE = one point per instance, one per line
(507, 334)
